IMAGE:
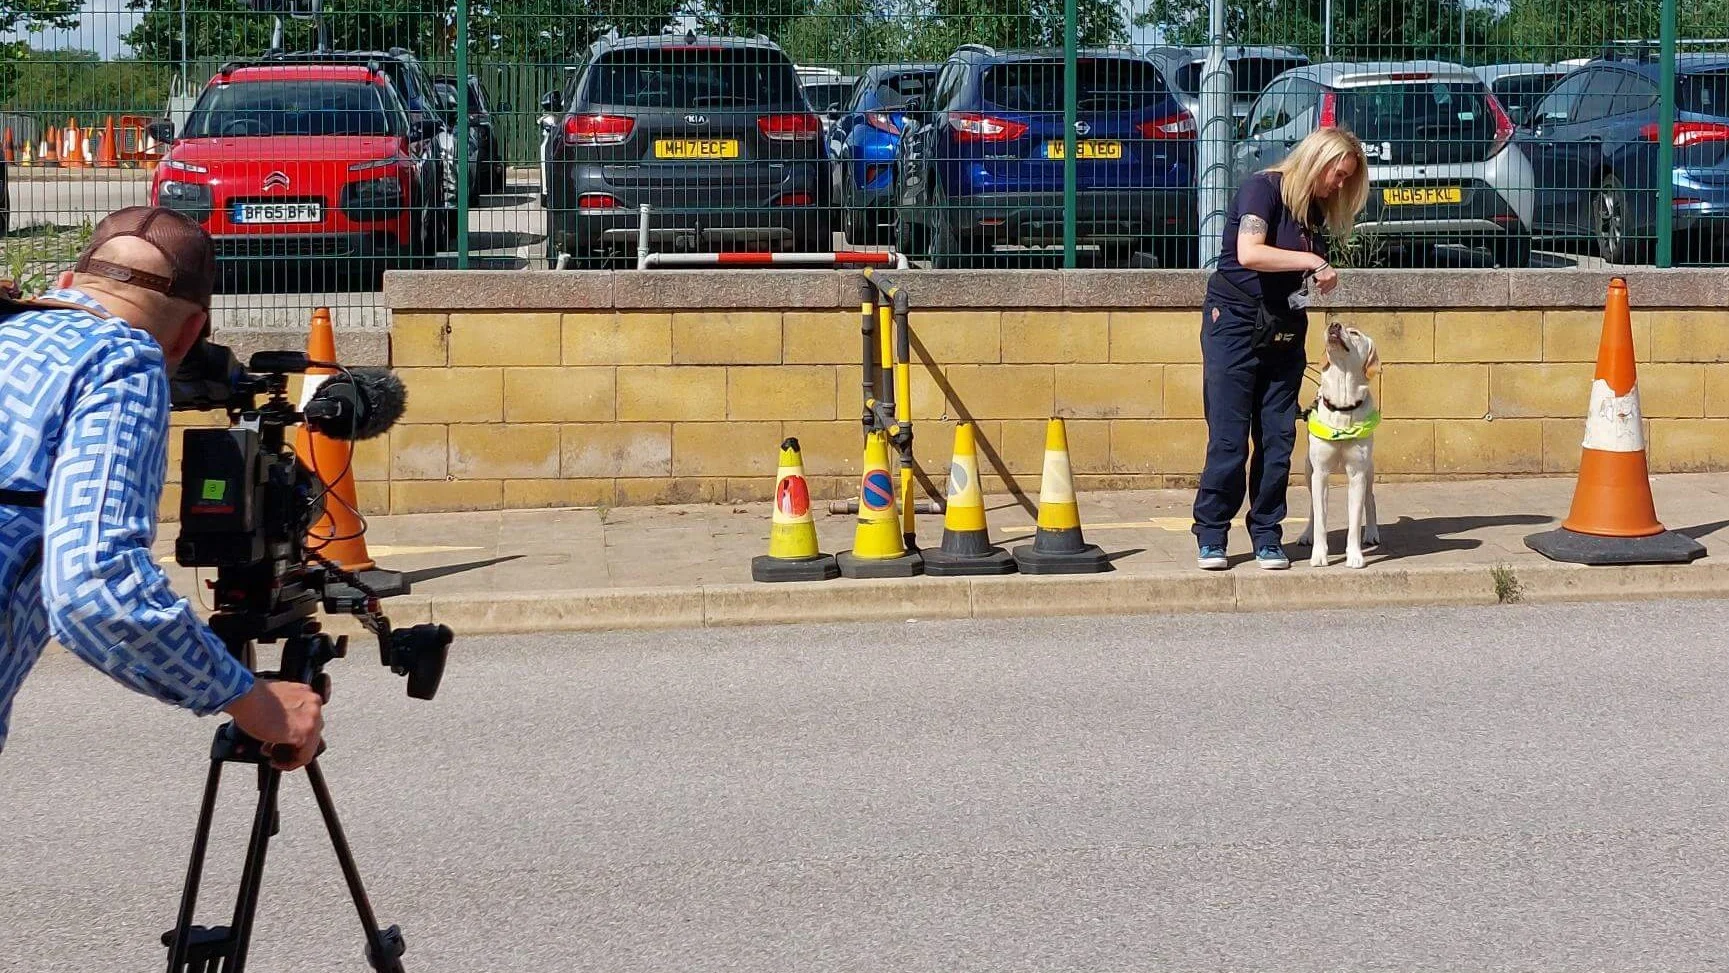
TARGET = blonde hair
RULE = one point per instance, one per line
(1304, 167)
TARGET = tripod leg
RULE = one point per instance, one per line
(180, 940)
(384, 947)
(246, 901)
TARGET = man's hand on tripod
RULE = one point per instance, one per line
(284, 716)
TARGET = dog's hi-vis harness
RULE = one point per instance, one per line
(1356, 430)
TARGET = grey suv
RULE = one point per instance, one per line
(1252, 69)
(714, 133)
(1442, 166)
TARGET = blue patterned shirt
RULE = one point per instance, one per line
(84, 417)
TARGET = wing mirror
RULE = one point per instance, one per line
(162, 130)
(552, 101)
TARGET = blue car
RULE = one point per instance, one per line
(862, 145)
(980, 166)
(1592, 142)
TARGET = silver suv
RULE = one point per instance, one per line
(1442, 166)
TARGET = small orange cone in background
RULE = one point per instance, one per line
(71, 145)
(1614, 518)
(50, 151)
(339, 535)
(6, 148)
(107, 155)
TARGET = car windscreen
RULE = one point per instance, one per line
(1705, 93)
(1404, 123)
(291, 108)
(1249, 75)
(825, 93)
(692, 77)
(1523, 91)
(1102, 85)
(895, 90)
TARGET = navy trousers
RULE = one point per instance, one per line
(1249, 397)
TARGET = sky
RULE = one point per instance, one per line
(101, 25)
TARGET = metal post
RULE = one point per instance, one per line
(642, 238)
(1327, 31)
(1215, 138)
(185, 68)
(1461, 31)
(1666, 143)
(1071, 94)
(462, 174)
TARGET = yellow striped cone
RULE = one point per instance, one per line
(966, 546)
(792, 548)
(879, 548)
(1058, 546)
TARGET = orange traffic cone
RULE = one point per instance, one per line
(1614, 519)
(106, 156)
(49, 155)
(339, 535)
(6, 151)
(71, 145)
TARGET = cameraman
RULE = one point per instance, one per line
(84, 376)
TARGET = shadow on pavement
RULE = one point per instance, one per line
(1700, 531)
(429, 574)
(1416, 537)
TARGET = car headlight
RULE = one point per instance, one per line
(372, 199)
(191, 198)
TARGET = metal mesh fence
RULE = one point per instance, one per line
(961, 133)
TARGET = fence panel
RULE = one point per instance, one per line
(964, 133)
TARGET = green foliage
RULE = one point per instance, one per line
(18, 18)
(32, 257)
(55, 84)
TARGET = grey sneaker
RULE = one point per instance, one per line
(1272, 557)
(1212, 558)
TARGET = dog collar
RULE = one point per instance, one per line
(1340, 408)
(1356, 430)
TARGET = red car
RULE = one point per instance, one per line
(303, 162)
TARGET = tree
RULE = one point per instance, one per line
(19, 18)
(55, 84)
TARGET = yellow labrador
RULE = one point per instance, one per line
(1342, 434)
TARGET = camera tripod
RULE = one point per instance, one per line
(222, 949)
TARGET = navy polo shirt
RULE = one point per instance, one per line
(1259, 196)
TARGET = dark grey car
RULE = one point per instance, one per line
(715, 134)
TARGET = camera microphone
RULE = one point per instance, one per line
(359, 404)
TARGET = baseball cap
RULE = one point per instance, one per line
(190, 252)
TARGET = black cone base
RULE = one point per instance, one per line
(991, 560)
(819, 568)
(1090, 559)
(895, 567)
(1572, 547)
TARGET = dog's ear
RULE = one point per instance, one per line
(1373, 365)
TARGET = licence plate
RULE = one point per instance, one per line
(278, 212)
(696, 148)
(1087, 150)
(1423, 196)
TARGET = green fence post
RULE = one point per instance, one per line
(462, 103)
(1071, 30)
(1666, 142)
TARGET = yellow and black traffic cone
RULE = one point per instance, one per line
(1058, 546)
(879, 549)
(792, 549)
(966, 546)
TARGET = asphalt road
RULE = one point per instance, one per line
(1514, 788)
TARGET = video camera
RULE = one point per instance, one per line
(247, 505)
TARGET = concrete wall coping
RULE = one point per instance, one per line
(521, 290)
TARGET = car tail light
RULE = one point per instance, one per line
(882, 122)
(1329, 109)
(1178, 126)
(1503, 125)
(794, 199)
(790, 128)
(597, 129)
(873, 171)
(983, 128)
(1690, 133)
(596, 201)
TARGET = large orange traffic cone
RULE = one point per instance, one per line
(339, 535)
(49, 154)
(792, 547)
(967, 548)
(107, 154)
(1614, 519)
(71, 145)
(6, 145)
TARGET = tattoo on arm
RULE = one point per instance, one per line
(1252, 228)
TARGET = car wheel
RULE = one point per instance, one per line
(1615, 243)
(1514, 251)
(857, 226)
(910, 238)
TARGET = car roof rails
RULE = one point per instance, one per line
(977, 49)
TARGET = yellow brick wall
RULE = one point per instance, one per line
(612, 408)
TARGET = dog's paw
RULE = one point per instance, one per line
(1318, 559)
(1307, 540)
(1371, 537)
(1354, 559)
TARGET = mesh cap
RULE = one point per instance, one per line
(190, 252)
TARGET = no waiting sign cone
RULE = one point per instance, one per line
(1614, 519)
